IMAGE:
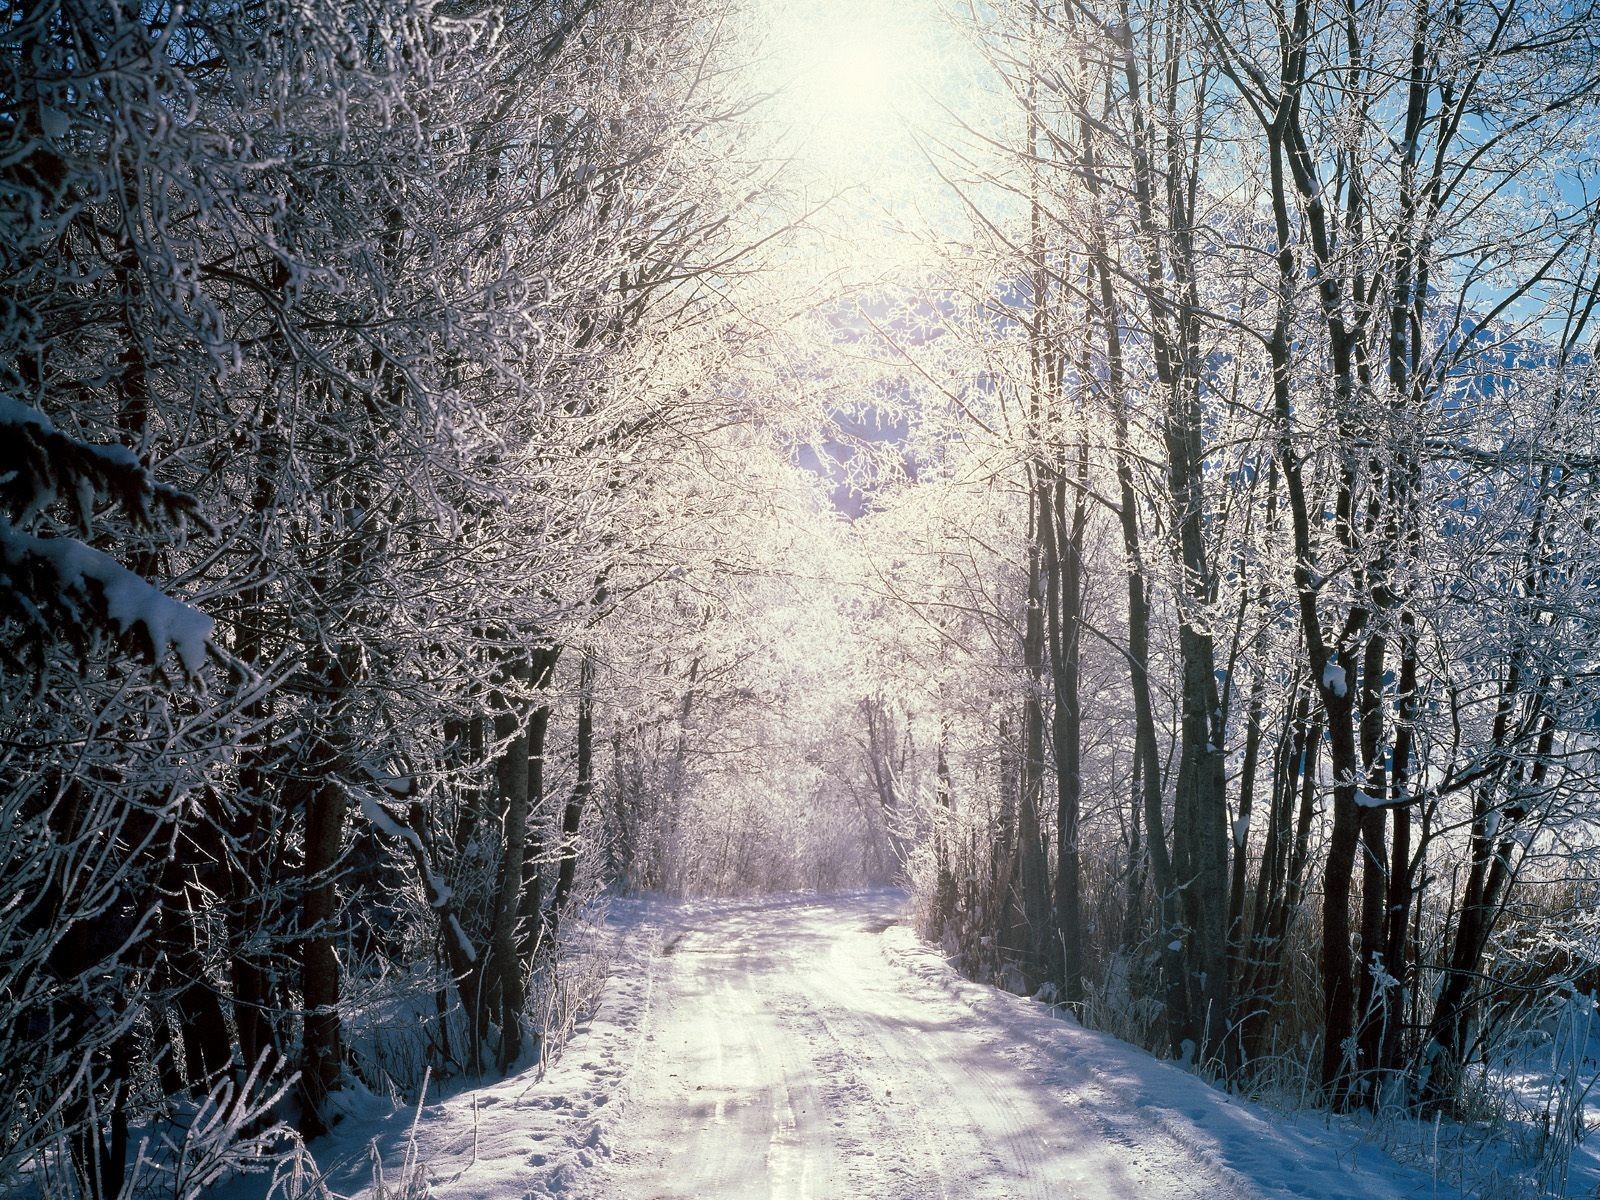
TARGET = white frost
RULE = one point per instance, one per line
(14, 412)
(19, 415)
(375, 812)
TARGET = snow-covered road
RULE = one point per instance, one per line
(786, 1046)
(815, 1047)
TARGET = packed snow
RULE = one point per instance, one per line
(815, 1047)
(1333, 678)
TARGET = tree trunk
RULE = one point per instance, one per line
(1339, 993)
(572, 816)
(511, 779)
(202, 1025)
(1065, 578)
(321, 1051)
(1241, 831)
(1033, 879)
(531, 939)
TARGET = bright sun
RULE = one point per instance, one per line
(842, 80)
(854, 89)
(854, 77)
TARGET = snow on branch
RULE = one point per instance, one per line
(40, 466)
(61, 589)
(59, 586)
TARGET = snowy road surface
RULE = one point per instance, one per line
(814, 1047)
(788, 1055)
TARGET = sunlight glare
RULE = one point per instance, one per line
(853, 78)
(854, 90)
(841, 80)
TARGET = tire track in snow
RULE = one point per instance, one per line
(721, 1098)
(831, 1075)
(813, 1050)
(967, 1126)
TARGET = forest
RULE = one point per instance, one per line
(1124, 471)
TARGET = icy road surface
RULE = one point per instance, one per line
(815, 1047)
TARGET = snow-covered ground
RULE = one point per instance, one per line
(814, 1047)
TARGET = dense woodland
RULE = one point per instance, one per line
(429, 504)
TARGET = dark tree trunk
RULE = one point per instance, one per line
(1033, 879)
(1282, 872)
(1492, 872)
(1180, 1015)
(885, 768)
(946, 896)
(202, 1025)
(511, 780)
(250, 864)
(531, 921)
(1403, 870)
(1338, 983)
(1247, 790)
(572, 816)
(1065, 577)
(321, 1051)
(468, 967)
(1375, 997)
